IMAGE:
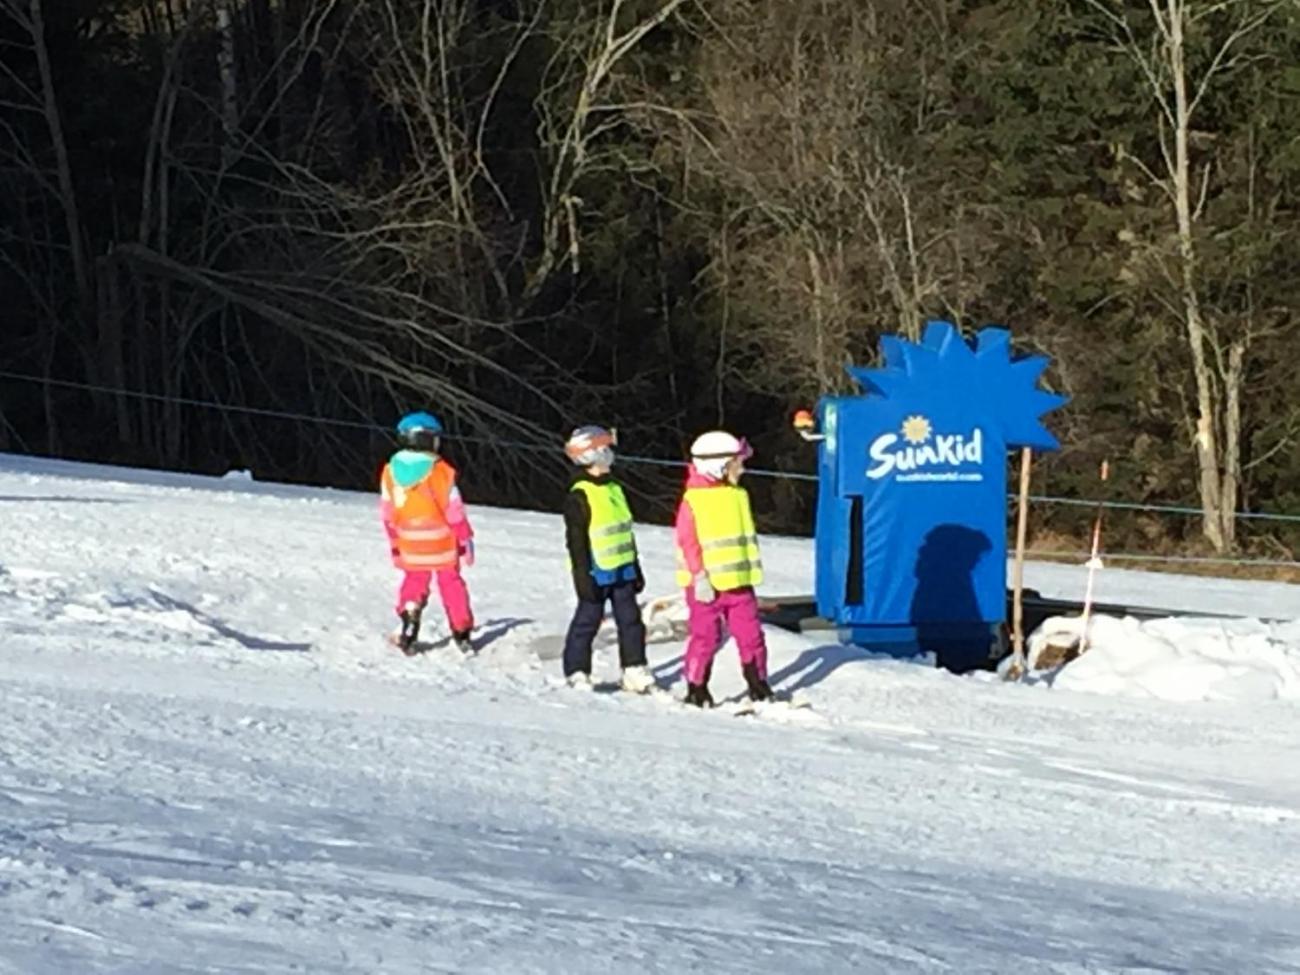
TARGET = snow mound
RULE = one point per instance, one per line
(1172, 659)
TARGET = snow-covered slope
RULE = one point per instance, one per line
(210, 761)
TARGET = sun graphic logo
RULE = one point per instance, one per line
(916, 430)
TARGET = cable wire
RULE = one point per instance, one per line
(623, 458)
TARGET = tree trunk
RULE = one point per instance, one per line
(725, 320)
(912, 321)
(229, 94)
(819, 321)
(110, 347)
(47, 400)
(81, 271)
(1207, 442)
(1230, 493)
(54, 120)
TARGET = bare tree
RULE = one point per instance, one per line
(573, 115)
(399, 277)
(31, 18)
(61, 187)
(841, 218)
(1160, 47)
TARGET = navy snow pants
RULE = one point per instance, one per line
(586, 622)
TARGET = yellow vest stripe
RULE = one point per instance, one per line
(731, 542)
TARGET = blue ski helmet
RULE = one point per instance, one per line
(419, 431)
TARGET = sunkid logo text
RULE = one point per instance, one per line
(926, 456)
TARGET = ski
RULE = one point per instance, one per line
(467, 647)
(779, 706)
(413, 649)
(775, 707)
(616, 687)
(783, 708)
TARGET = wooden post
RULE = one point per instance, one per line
(1017, 668)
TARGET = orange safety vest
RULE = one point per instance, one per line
(424, 539)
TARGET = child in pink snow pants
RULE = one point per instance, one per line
(718, 564)
(428, 530)
(452, 591)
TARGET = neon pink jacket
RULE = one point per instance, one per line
(688, 539)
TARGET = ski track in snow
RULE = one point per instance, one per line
(211, 762)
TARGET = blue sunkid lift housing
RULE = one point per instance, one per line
(912, 504)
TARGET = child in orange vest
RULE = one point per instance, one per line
(428, 531)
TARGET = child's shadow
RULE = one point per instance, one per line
(494, 630)
(248, 641)
(815, 665)
(669, 672)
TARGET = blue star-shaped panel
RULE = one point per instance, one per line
(1004, 389)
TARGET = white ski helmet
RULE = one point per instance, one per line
(591, 445)
(713, 451)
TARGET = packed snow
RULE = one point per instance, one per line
(210, 760)
(1175, 659)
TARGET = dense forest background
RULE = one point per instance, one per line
(658, 214)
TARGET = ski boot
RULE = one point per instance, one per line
(698, 695)
(580, 680)
(462, 641)
(759, 689)
(637, 680)
(410, 632)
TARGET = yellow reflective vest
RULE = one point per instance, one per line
(724, 525)
(610, 531)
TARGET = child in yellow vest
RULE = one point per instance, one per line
(603, 559)
(718, 564)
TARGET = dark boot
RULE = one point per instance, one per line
(698, 694)
(759, 689)
(462, 641)
(406, 640)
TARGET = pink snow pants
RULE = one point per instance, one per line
(738, 608)
(452, 589)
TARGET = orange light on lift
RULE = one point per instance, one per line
(804, 421)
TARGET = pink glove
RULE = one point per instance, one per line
(394, 554)
(467, 551)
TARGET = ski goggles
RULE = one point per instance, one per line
(743, 454)
(595, 438)
(585, 440)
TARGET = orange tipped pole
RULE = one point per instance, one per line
(1094, 560)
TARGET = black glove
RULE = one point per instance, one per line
(640, 579)
(585, 586)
